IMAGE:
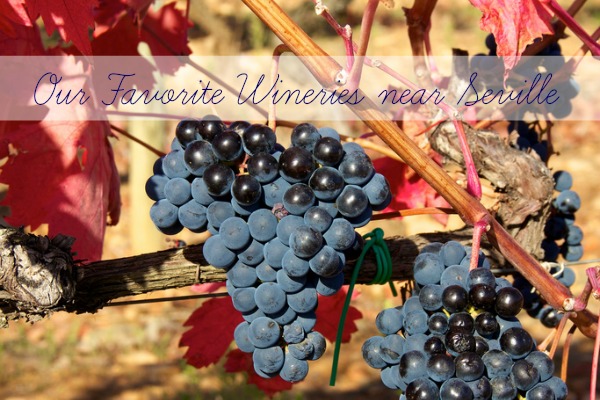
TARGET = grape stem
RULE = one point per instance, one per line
(136, 140)
(559, 331)
(272, 116)
(565, 355)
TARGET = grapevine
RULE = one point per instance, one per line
(281, 222)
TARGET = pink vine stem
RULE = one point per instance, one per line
(569, 21)
(592, 274)
(363, 42)
(345, 32)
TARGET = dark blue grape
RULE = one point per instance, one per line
(328, 151)
(562, 181)
(210, 126)
(503, 388)
(155, 187)
(253, 254)
(296, 164)
(524, 375)
(327, 183)
(389, 321)
(452, 253)
(273, 192)
(298, 199)
(243, 299)
(192, 215)
(270, 298)
(294, 265)
(187, 131)
(219, 211)
(258, 138)
(543, 363)
(293, 369)
(329, 286)
(378, 191)
(438, 323)
(263, 166)
(516, 342)
(541, 391)
(262, 225)
(242, 339)
(288, 283)
(218, 179)
(567, 202)
(217, 254)
(174, 165)
(246, 190)
(455, 389)
(430, 297)
(422, 388)
(428, 268)
(227, 146)
(164, 214)
(352, 201)
(242, 275)
(305, 136)
(326, 262)
(340, 235)
(265, 272)
(356, 168)
(268, 360)
(329, 132)
(318, 218)
(455, 298)
(413, 365)
(198, 156)
(303, 301)
(274, 251)
(440, 367)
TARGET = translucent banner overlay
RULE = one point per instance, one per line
(246, 87)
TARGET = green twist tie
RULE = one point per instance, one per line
(375, 242)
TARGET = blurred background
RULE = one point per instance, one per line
(132, 352)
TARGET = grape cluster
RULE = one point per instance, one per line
(547, 60)
(560, 227)
(282, 222)
(458, 337)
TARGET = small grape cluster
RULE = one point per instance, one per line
(559, 227)
(457, 336)
(282, 222)
(547, 60)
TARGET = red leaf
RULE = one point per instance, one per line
(12, 12)
(329, 312)
(139, 7)
(165, 32)
(211, 332)
(21, 40)
(62, 174)
(410, 191)
(72, 19)
(238, 361)
(515, 24)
